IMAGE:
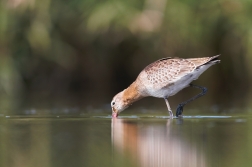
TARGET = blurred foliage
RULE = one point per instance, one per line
(82, 52)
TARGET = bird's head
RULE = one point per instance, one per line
(118, 104)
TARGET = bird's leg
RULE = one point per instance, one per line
(181, 105)
(169, 108)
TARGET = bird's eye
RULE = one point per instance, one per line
(113, 103)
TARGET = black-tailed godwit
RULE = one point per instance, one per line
(162, 79)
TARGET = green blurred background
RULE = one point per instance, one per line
(73, 56)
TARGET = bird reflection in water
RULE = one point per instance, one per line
(156, 144)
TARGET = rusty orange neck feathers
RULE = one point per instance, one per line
(131, 94)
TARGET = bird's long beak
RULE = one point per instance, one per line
(114, 113)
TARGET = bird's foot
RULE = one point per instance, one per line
(171, 114)
(179, 110)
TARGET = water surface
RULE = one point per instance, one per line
(133, 140)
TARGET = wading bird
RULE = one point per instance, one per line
(162, 79)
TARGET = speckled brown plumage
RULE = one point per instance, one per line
(167, 70)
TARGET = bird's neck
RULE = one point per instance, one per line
(131, 94)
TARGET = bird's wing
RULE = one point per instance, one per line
(204, 60)
(169, 70)
(165, 71)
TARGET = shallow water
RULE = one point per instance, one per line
(133, 140)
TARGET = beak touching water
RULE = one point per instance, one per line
(114, 113)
